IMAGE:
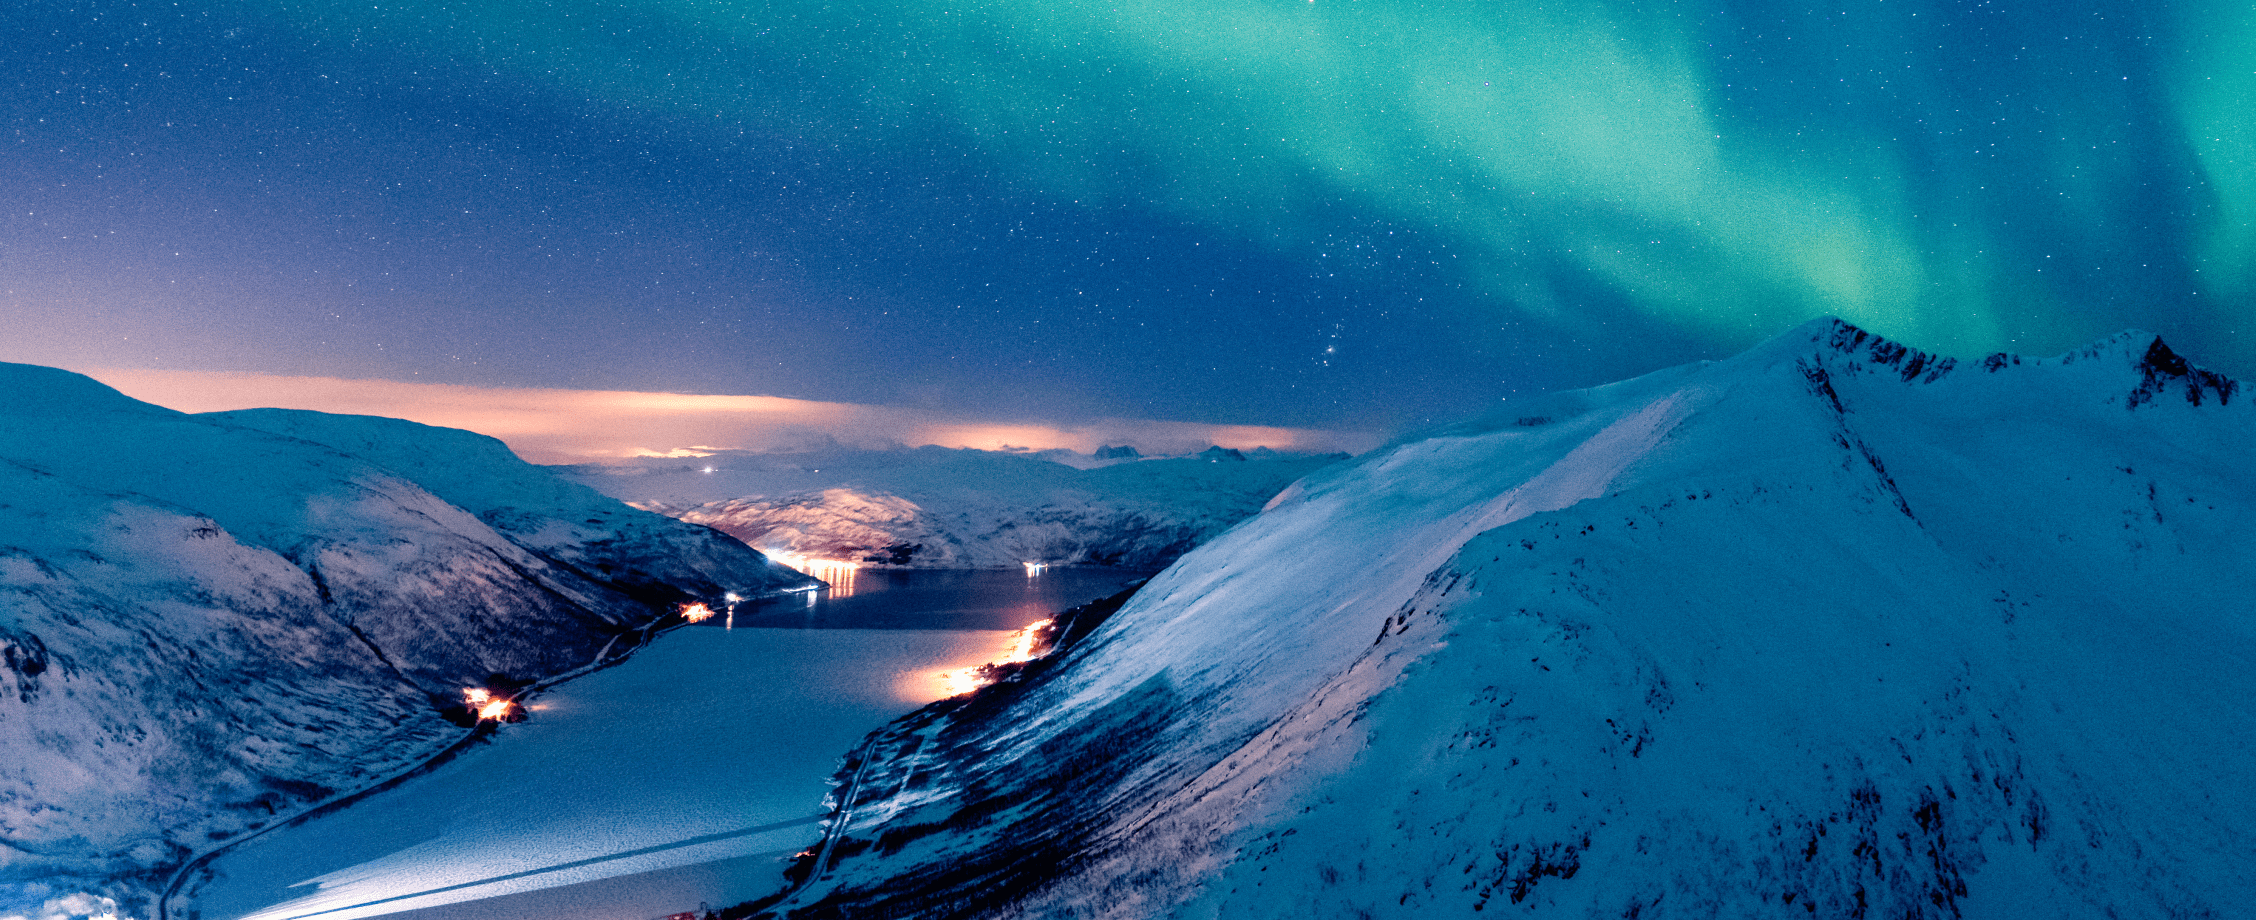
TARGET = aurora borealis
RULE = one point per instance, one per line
(1343, 213)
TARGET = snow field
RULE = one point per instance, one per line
(1832, 628)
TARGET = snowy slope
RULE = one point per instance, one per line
(1833, 628)
(641, 553)
(204, 624)
(940, 508)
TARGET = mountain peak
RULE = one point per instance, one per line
(2162, 370)
(33, 391)
(1838, 342)
(1661, 642)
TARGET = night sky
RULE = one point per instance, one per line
(1343, 213)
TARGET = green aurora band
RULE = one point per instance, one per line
(1936, 175)
(2217, 100)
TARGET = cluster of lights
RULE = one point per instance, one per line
(1035, 568)
(964, 680)
(483, 702)
(1022, 644)
(696, 613)
(838, 574)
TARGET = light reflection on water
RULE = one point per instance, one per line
(710, 745)
(952, 677)
(836, 573)
(881, 598)
(710, 748)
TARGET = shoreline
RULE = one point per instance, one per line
(926, 721)
(471, 736)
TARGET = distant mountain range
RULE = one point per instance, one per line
(208, 622)
(1835, 628)
(940, 508)
(1832, 628)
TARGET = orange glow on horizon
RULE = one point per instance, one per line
(578, 426)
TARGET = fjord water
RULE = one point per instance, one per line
(687, 774)
(938, 598)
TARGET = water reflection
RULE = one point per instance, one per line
(616, 780)
(839, 575)
(960, 672)
(836, 573)
(982, 599)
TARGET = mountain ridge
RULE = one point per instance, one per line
(1795, 633)
(939, 508)
(205, 625)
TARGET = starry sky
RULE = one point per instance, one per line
(1342, 214)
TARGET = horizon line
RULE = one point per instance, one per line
(553, 425)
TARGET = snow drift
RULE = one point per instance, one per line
(207, 622)
(1834, 628)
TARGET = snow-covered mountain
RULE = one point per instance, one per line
(1834, 628)
(208, 621)
(939, 508)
